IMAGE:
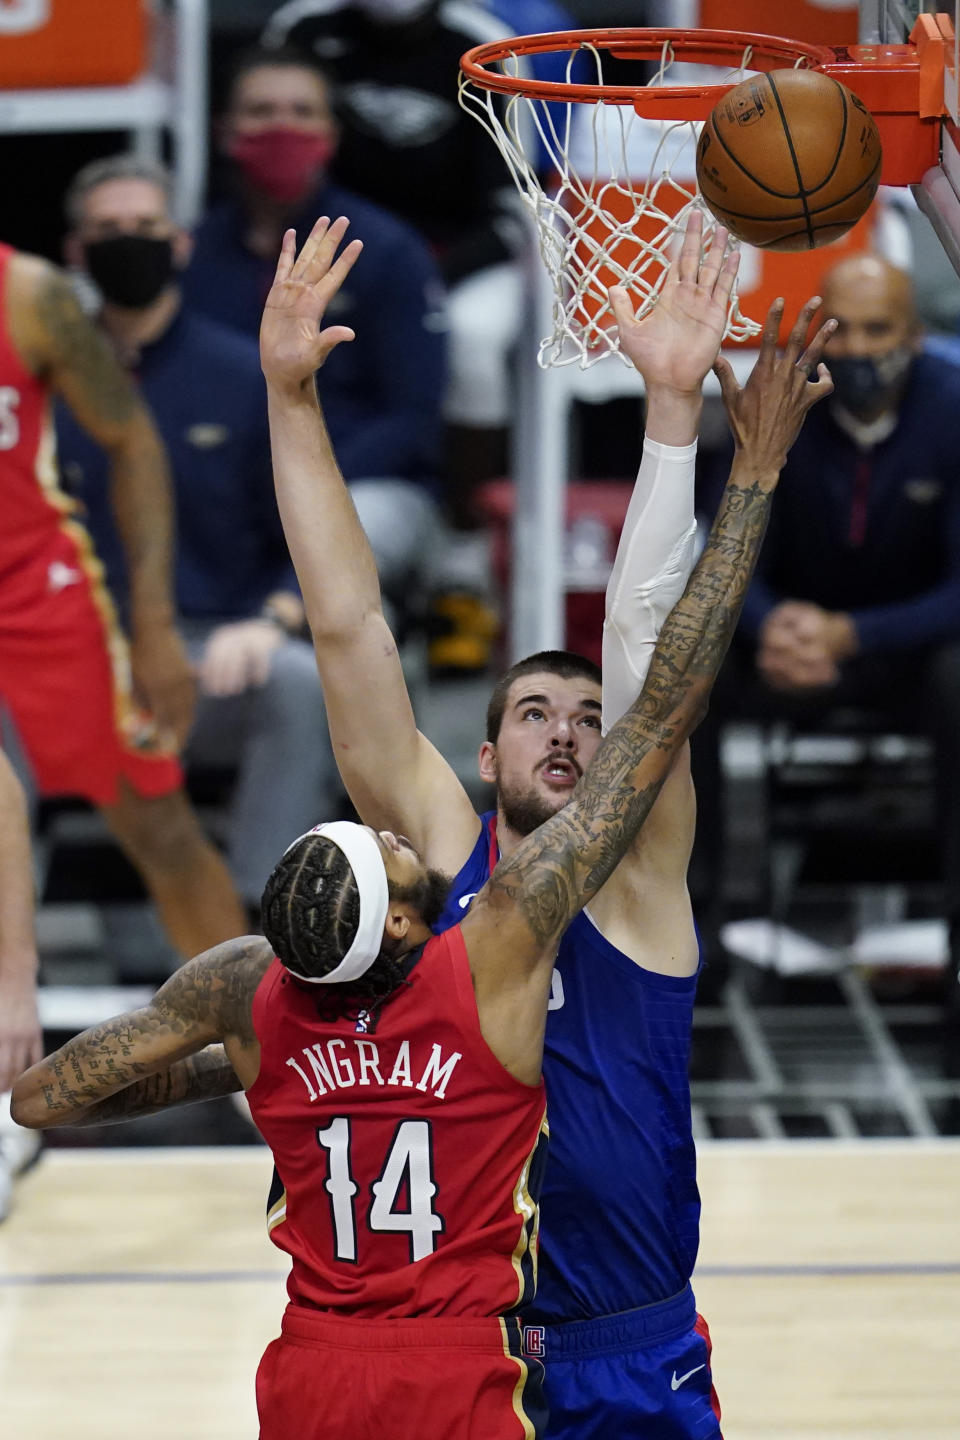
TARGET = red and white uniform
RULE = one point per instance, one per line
(64, 663)
(408, 1163)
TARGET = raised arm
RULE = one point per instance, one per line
(60, 343)
(20, 1037)
(672, 348)
(205, 1001)
(395, 777)
(516, 921)
(644, 909)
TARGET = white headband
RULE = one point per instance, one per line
(366, 862)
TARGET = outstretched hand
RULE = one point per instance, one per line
(292, 344)
(676, 342)
(767, 413)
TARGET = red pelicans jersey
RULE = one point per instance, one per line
(64, 665)
(33, 504)
(408, 1159)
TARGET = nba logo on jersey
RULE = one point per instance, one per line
(534, 1337)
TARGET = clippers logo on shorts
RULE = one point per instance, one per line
(534, 1341)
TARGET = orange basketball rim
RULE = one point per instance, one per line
(572, 146)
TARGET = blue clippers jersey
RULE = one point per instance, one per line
(620, 1206)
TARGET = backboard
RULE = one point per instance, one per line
(938, 194)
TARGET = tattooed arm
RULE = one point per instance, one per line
(205, 1001)
(515, 923)
(61, 344)
(204, 1076)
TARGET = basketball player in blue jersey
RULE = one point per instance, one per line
(615, 1319)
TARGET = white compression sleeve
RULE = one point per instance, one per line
(650, 573)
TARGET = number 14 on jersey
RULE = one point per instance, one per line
(408, 1166)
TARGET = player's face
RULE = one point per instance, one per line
(275, 96)
(125, 207)
(416, 891)
(403, 865)
(549, 734)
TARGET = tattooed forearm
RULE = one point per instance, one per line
(204, 1076)
(205, 1000)
(95, 1064)
(566, 861)
(77, 347)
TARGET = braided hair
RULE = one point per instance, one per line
(311, 907)
(310, 915)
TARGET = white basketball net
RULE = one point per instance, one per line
(624, 186)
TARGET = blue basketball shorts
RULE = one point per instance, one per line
(639, 1375)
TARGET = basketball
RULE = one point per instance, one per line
(789, 160)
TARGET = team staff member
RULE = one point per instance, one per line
(856, 603)
(407, 144)
(278, 136)
(96, 718)
(403, 1101)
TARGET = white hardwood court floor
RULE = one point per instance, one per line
(138, 1289)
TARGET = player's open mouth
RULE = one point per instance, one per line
(561, 772)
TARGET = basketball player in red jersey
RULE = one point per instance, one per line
(96, 719)
(403, 1100)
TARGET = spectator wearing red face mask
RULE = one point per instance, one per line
(382, 393)
(408, 145)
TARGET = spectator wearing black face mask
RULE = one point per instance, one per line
(856, 598)
(260, 706)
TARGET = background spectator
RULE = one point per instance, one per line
(382, 392)
(406, 143)
(260, 703)
(856, 600)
